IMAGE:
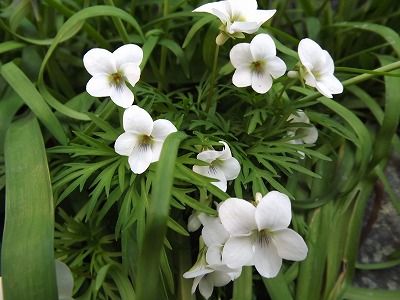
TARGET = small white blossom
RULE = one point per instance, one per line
(317, 68)
(237, 16)
(306, 135)
(259, 235)
(256, 63)
(143, 139)
(222, 166)
(110, 71)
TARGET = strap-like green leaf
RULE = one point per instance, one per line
(27, 261)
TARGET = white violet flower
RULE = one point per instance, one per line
(259, 235)
(206, 276)
(143, 139)
(237, 16)
(306, 135)
(317, 68)
(256, 63)
(222, 166)
(110, 71)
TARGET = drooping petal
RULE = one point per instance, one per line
(99, 86)
(99, 61)
(131, 72)
(242, 77)
(261, 82)
(156, 148)
(162, 128)
(246, 27)
(213, 232)
(193, 222)
(121, 95)
(125, 143)
(299, 117)
(219, 278)
(209, 155)
(137, 120)
(206, 287)
(261, 16)
(323, 89)
(311, 135)
(213, 172)
(310, 53)
(289, 244)
(276, 67)
(329, 66)
(218, 9)
(266, 259)
(197, 270)
(262, 47)
(332, 83)
(238, 252)
(273, 212)
(240, 55)
(65, 280)
(129, 53)
(196, 281)
(140, 159)
(230, 167)
(237, 216)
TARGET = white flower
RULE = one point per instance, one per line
(110, 71)
(143, 139)
(237, 16)
(259, 235)
(318, 68)
(207, 276)
(306, 135)
(256, 63)
(222, 166)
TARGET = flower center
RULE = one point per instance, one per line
(116, 79)
(264, 237)
(258, 66)
(145, 140)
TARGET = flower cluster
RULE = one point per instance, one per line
(143, 139)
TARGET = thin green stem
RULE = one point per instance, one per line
(118, 25)
(163, 56)
(213, 79)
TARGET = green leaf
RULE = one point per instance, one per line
(243, 286)
(148, 271)
(277, 288)
(27, 260)
(28, 93)
(195, 28)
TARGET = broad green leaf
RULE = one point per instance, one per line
(29, 94)
(27, 261)
(243, 286)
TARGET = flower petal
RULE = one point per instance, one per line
(266, 260)
(214, 255)
(140, 159)
(226, 151)
(230, 167)
(196, 281)
(261, 82)
(131, 72)
(311, 135)
(213, 232)
(218, 9)
(122, 95)
(156, 148)
(276, 67)
(219, 278)
(197, 270)
(332, 83)
(129, 53)
(206, 287)
(99, 61)
(247, 27)
(242, 77)
(261, 16)
(65, 280)
(238, 252)
(213, 172)
(209, 155)
(162, 128)
(238, 7)
(240, 55)
(310, 53)
(125, 143)
(99, 86)
(273, 212)
(237, 216)
(289, 244)
(262, 46)
(323, 89)
(137, 120)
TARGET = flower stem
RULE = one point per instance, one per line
(213, 79)
(163, 57)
